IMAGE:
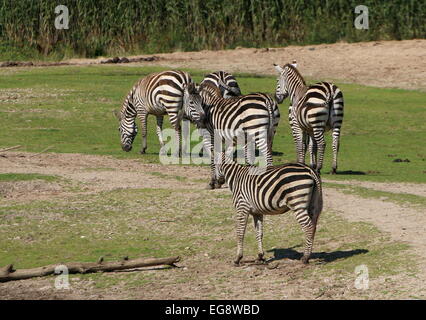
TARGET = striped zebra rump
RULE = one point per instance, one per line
(276, 190)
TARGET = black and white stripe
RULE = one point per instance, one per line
(247, 117)
(225, 81)
(314, 109)
(276, 190)
(229, 88)
(158, 94)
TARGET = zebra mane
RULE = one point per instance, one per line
(128, 103)
(294, 69)
(210, 88)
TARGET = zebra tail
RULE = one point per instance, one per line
(316, 204)
(271, 122)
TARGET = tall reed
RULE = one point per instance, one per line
(100, 27)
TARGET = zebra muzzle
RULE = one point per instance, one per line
(126, 147)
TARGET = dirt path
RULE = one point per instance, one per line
(99, 173)
(418, 189)
(401, 223)
(395, 64)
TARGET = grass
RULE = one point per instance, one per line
(71, 108)
(129, 223)
(5, 177)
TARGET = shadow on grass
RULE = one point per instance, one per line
(350, 172)
(325, 257)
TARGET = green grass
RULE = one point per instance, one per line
(4, 177)
(71, 109)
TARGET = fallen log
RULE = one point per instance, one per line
(7, 273)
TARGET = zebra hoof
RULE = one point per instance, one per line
(305, 259)
(260, 260)
(237, 261)
(217, 185)
(142, 151)
(210, 186)
(333, 171)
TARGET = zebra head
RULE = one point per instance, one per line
(193, 104)
(229, 89)
(128, 131)
(281, 91)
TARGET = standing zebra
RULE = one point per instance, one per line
(277, 190)
(247, 115)
(314, 109)
(229, 88)
(225, 81)
(158, 94)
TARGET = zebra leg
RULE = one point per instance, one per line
(309, 229)
(249, 149)
(176, 123)
(178, 134)
(299, 137)
(335, 146)
(320, 142)
(241, 219)
(262, 145)
(209, 141)
(160, 133)
(143, 119)
(313, 152)
(258, 225)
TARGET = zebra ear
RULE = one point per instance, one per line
(191, 88)
(278, 68)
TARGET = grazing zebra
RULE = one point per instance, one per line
(276, 190)
(314, 109)
(158, 94)
(247, 115)
(225, 81)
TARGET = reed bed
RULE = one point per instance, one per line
(100, 27)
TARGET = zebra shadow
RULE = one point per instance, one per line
(323, 257)
(351, 172)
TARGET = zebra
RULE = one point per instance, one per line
(159, 94)
(314, 109)
(276, 190)
(247, 115)
(229, 88)
(225, 81)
